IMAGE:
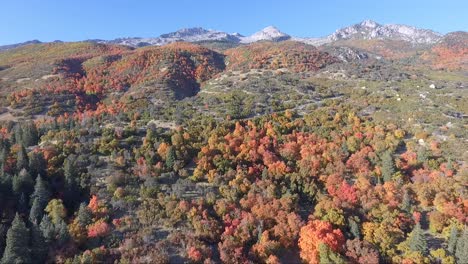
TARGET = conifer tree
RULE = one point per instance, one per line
(461, 250)
(29, 134)
(22, 161)
(37, 164)
(38, 245)
(17, 249)
(84, 215)
(3, 231)
(354, 228)
(40, 198)
(170, 157)
(417, 241)
(47, 228)
(61, 230)
(328, 256)
(388, 166)
(72, 191)
(406, 202)
(452, 240)
(23, 183)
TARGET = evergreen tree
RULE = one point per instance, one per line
(417, 240)
(452, 240)
(84, 215)
(327, 256)
(61, 230)
(3, 231)
(423, 155)
(22, 161)
(354, 228)
(22, 206)
(72, 191)
(47, 228)
(23, 183)
(29, 134)
(5, 186)
(18, 135)
(37, 164)
(388, 166)
(170, 157)
(235, 106)
(461, 250)
(40, 198)
(38, 245)
(406, 202)
(17, 249)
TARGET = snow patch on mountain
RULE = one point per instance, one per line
(269, 33)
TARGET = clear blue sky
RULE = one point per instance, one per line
(68, 20)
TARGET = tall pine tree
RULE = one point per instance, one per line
(461, 250)
(22, 161)
(388, 166)
(71, 188)
(37, 164)
(17, 248)
(417, 240)
(40, 198)
(38, 245)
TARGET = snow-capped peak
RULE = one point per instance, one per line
(369, 23)
(268, 33)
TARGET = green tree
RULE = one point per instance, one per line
(30, 135)
(84, 215)
(38, 245)
(17, 249)
(22, 183)
(47, 228)
(71, 190)
(461, 250)
(22, 161)
(3, 230)
(452, 240)
(388, 166)
(327, 256)
(354, 227)
(40, 198)
(61, 230)
(170, 157)
(417, 240)
(406, 202)
(37, 164)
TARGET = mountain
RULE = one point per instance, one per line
(269, 33)
(198, 34)
(365, 30)
(451, 52)
(17, 45)
(369, 29)
(195, 34)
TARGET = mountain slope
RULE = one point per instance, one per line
(291, 55)
(451, 52)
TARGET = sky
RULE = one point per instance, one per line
(74, 20)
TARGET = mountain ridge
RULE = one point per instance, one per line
(366, 30)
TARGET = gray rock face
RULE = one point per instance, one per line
(369, 29)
